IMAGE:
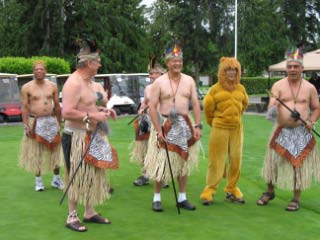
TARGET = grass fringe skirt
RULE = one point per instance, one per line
(156, 162)
(90, 183)
(36, 157)
(279, 171)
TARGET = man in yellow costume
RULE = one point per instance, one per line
(223, 107)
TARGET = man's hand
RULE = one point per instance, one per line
(197, 133)
(160, 137)
(101, 116)
(28, 131)
(309, 125)
(112, 114)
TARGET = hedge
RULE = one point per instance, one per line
(20, 65)
(253, 85)
(258, 85)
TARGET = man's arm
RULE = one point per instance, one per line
(275, 93)
(104, 94)
(272, 113)
(145, 101)
(57, 108)
(70, 99)
(105, 99)
(153, 104)
(245, 101)
(196, 110)
(314, 106)
(25, 110)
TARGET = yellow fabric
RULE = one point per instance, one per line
(226, 63)
(223, 108)
(223, 142)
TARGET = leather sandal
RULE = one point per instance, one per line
(265, 198)
(76, 226)
(293, 206)
(232, 198)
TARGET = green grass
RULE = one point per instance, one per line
(26, 214)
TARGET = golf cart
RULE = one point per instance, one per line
(10, 102)
(125, 91)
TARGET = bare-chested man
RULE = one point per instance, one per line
(171, 94)
(82, 116)
(292, 158)
(142, 135)
(41, 116)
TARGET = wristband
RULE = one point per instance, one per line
(198, 126)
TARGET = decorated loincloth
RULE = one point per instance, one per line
(142, 127)
(294, 144)
(100, 154)
(89, 185)
(179, 136)
(36, 156)
(139, 147)
(292, 160)
(46, 131)
(183, 150)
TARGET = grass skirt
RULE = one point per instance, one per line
(35, 157)
(156, 162)
(139, 151)
(89, 185)
(279, 171)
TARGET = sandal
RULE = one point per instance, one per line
(206, 202)
(75, 225)
(265, 198)
(232, 198)
(97, 219)
(293, 206)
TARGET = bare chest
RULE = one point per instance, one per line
(37, 94)
(175, 91)
(87, 95)
(296, 94)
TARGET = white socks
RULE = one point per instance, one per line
(157, 197)
(39, 179)
(182, 197)
(56, 176)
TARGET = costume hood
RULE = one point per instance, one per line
(225, 63)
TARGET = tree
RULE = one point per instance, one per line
(11, 31)
(51, 27)
(261, 35)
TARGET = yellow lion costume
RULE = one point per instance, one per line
(223, 107)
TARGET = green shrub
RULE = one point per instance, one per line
(253, 85)
(257, 85)
(20, 65)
